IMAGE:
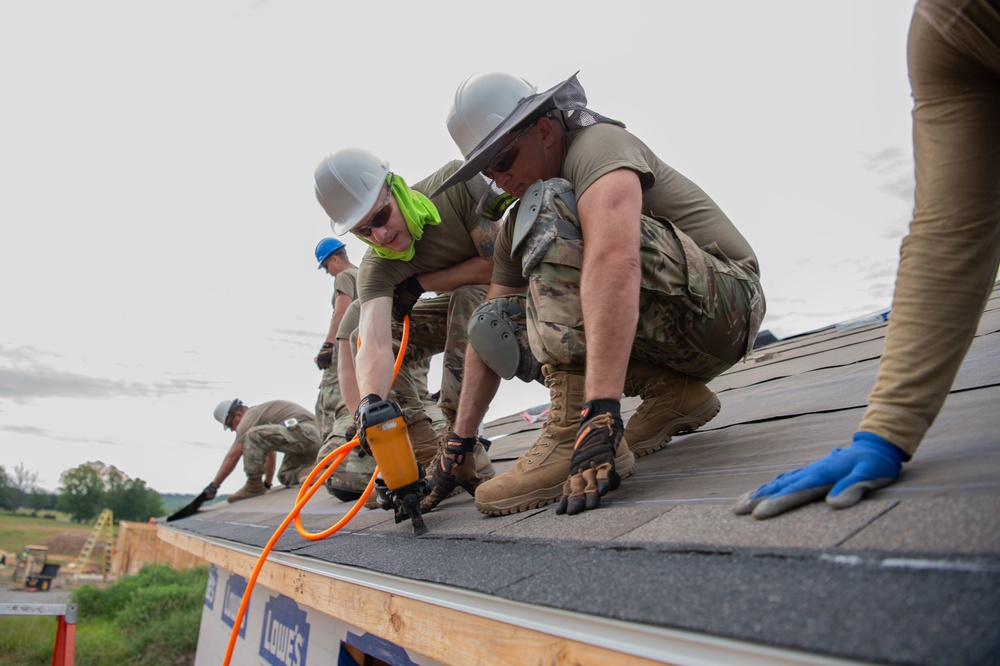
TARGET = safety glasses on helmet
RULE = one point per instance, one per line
(380, 217)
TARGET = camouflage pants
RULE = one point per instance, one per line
(438, 325)
(698, 312)
(299, 445)
(332, 415)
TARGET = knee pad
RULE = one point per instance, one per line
(546, 212)
(498, 334)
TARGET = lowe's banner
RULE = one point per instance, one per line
(276, 631)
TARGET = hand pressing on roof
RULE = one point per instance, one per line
(592, 472)
(843, 476)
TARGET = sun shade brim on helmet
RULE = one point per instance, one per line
(489, 147)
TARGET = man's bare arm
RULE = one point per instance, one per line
(229, 463)
(609, 216)
(270, 463)
(474, 270)
(340, 305)
(347, 376)
(375, 357)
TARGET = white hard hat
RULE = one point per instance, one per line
(222, 410)
(476, 118)
(481, 103)
(347, 186)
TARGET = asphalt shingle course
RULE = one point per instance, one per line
(909, 576)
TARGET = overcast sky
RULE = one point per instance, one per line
(158, 215)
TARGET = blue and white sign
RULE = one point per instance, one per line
(284, 634)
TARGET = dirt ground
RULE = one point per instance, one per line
(65, 548)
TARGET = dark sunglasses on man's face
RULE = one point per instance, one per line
(504, 160)
(380, 217)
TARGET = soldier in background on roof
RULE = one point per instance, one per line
(636, 282)
(331, 413)
(261, 432)
(442, 244)
(335, 419)
(947, 262)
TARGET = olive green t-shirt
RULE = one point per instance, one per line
(442, 245)
(345, 282)
(597, 150)
(270, 413)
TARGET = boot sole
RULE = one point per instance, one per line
(687, 423)
(624, 465)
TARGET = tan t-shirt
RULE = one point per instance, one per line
(270, 413)
(442, 245)
(346, 282)
(597, 150)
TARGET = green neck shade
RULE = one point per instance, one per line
(417, 210)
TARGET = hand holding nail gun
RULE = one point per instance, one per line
(382, 433)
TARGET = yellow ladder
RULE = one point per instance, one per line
(105, 522)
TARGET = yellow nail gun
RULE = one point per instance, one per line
(402, 484)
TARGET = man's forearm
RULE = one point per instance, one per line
(610, 218)
(374, 369)
(475, 270)
(479, 387)
(346, 376)
(609, 319)
(269, 464)
(228, 463)
(374, 360)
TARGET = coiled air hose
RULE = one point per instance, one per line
(317, 477)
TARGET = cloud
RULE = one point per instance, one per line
(297, 336)
(24, 377)
(896, 168)
(32, 431)
(200, 445)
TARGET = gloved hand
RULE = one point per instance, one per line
(869, 462)
(351, 432)
(455, 467)
(363, 448)
(405, 296)
(324, 359)
(592, 468)
(211, 490)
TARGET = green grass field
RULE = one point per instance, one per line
(150, 619)
(64, 539)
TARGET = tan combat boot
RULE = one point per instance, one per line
(252, 488)
(672, 403)
(483, 463)
(424, 440)
(537, 478)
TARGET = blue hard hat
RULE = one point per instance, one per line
(325, 248)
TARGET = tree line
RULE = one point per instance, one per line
(84, 491)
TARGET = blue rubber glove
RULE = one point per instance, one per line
(843, 476)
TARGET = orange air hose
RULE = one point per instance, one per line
(317, 477)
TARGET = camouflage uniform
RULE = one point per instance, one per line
(698, 312)
(332, 414)
(299, 444)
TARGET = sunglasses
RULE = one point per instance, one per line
(380, 217)
(504, 160)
